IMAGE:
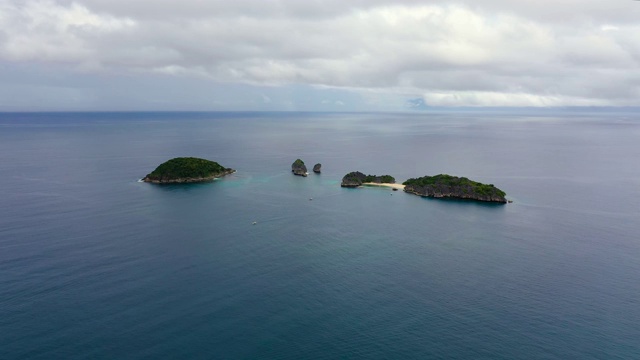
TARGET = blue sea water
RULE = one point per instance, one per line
(96, 265)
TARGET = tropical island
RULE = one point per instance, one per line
(438, 186)
(447, 186)
(187, 170)
(356, 178)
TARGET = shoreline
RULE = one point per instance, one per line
(389, 185)
(189, 180)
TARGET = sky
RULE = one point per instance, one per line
(317, 55)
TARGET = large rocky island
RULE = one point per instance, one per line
(187, 170)
(447, 186)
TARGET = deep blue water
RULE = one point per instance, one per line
(94, 264)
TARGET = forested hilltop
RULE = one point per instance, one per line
(186, 170)
(447, 186)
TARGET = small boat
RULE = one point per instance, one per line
(253, 223)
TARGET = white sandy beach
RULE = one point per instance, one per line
(395, 186)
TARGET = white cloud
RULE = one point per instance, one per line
(487, 98)
(493, 52)
(47, 31)
(609, 28)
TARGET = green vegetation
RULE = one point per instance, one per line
(187, 167)
(379, 179)
(462, 183)
(356, 178)
(298, 162)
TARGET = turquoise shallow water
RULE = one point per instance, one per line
(94, 264)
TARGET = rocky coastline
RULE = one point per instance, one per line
(187, 170)
(187, 180)
(447, 186)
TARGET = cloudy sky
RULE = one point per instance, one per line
(317, 54)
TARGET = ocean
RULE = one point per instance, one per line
(97, 265)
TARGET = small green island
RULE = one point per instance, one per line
(187, 170)
(356, 178)
(447, 186)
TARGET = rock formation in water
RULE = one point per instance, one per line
(298, 168)
(447, 186)
(356, 178)
(317, 168)
(187, 170)
(353, 179)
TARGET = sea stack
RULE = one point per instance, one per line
(317, 168)
(298, 168)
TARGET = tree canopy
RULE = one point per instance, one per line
(186, 167)
(454, 181)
